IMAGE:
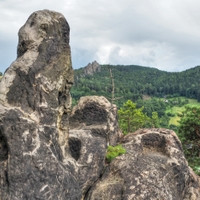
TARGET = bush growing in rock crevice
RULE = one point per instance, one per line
(113, 152)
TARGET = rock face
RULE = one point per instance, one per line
(34, 111)
(49, 152)
(93, 124)
(154, 167)
(91, 68)
(96, 113)
(37, 159)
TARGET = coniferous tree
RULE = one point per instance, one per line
(132, 118)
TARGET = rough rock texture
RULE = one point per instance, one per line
(91, 68)
(93, 123)
(96, 113)
(34, 110)
(154, 167)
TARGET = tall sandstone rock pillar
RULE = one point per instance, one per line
(34, 108)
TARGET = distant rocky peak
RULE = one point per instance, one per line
(91, 68)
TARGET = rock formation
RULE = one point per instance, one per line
(34, 111)
(93, 123)
(91, 68)
(49, 152)
(154, 167)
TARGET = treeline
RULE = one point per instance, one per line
(133, 81)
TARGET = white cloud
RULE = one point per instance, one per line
(162, 34)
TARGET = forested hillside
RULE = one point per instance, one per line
(133, 81)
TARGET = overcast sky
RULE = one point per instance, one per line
(164, 34)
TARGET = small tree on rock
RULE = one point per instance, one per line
(132, 118)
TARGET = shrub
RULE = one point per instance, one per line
(113, 152)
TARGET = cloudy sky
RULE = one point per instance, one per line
(158, 33)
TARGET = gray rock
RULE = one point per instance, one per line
(34, 110)
(93, 124)
(154, 167)
(96, 113)
(91, 68)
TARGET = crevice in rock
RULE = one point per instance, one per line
(6, 179)
(3, 148)
(103, 172)
(86, 195)
(74, 147)
(61, 97)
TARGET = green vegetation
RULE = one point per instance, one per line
(193, 102)
(175, 106)
(132, 118)
(174, 112)
(113, 152)
(132, 82)
(155, 120)
(155, 105)
(189, 134)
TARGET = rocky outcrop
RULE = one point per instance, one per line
(93, 125)
(34, 111)
(38, 159)
(49, 152)
(91, 68)
(98, 114)
(154, 167)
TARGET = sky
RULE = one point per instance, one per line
(164, 34)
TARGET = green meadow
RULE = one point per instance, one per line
(178, 110)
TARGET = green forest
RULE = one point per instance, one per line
(156, 91)
(133, 81)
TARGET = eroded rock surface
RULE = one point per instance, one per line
(154, 167)
(35, 104)
(93, 125)
(96, 113)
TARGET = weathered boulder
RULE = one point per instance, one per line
(34, 111)
(154, 167)
(96, 113)
(93, 125)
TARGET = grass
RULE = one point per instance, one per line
(194, 102)
(176, 110)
